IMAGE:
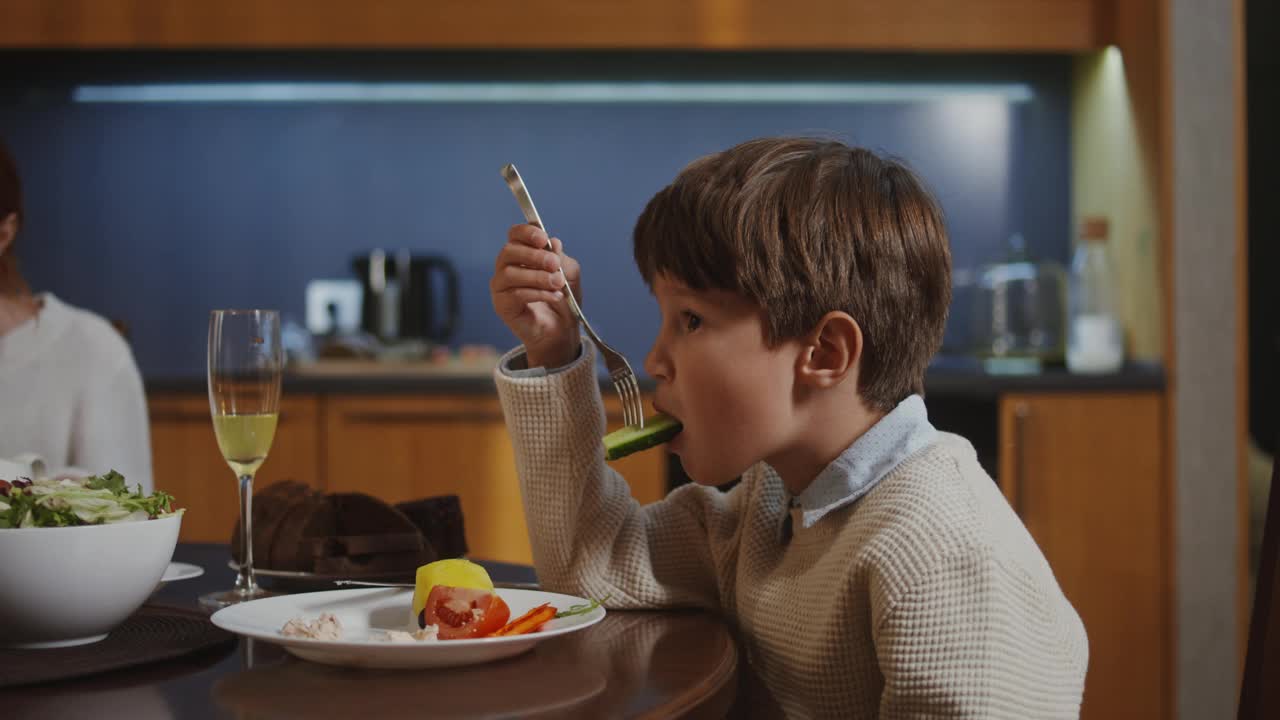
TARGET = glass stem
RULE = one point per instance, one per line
(245, 583)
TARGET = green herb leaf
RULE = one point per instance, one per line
(583, 609)
(112, 481)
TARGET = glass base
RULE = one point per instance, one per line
(218, 600)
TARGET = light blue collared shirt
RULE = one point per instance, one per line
(898, 435)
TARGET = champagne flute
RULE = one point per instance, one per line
(246, 360)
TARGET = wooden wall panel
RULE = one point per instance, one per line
(1037, 25)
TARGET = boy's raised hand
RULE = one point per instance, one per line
(528, 294)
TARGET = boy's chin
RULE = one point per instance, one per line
(709, 477)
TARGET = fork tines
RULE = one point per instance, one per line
(624, 382)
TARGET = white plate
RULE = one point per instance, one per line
(180, 571)
(304, 576)
(365, 613)
(302, 581)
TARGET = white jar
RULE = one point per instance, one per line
(1095, 340)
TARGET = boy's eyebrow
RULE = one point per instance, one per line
(674, 287)
(691, 295)
(680, 291)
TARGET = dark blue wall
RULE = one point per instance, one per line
(155, 213)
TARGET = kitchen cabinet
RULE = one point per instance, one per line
(1084, 471)
(407, 447)
(971, 25)
(187, 464)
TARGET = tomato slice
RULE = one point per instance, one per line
(462, 613)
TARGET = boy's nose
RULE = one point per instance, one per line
(655, 363)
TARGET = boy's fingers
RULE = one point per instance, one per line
(571, 267)
(514, 276)
(525, 256)
(527, 234)
(516, 298)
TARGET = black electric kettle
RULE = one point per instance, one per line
(402, 300)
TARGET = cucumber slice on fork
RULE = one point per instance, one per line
(624, 441)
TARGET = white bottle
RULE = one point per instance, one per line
(1095, 342)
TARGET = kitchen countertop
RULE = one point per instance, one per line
(961, 377)
(946, 378)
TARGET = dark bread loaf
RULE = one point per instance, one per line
(313, 514)
(348, 534)
(364, 535)
(440, 520)
(270, 504)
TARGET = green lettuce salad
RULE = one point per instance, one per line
(93, 500)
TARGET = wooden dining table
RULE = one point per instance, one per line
(641, 664)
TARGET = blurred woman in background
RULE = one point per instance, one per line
(70, 391)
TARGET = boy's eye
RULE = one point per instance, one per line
(691, 321)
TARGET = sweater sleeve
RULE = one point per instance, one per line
(589, 536)
(111, 427)
(971, 638)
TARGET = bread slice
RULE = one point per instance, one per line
(440, 520)
(305, 517)
(371, 537)
(270, 504)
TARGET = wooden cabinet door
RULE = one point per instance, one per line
(399, 448)
(408, 447)
(188, 465)
(1085, 474)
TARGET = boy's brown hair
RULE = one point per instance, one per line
(802, 227)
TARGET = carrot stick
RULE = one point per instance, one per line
(527, 622)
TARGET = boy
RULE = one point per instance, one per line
(870, 565)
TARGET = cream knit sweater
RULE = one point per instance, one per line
(925, 598)
(71, 394)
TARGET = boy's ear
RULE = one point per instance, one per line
(831, 352)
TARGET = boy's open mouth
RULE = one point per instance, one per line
(661, 409)
(674, 441)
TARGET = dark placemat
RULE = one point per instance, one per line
(154, 632)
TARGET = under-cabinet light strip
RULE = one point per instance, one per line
(546, 92)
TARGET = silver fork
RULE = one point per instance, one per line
(620, 372)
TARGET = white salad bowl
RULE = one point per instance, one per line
(63, 586)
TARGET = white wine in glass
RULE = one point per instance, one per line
(245, 439)
(246, 360)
